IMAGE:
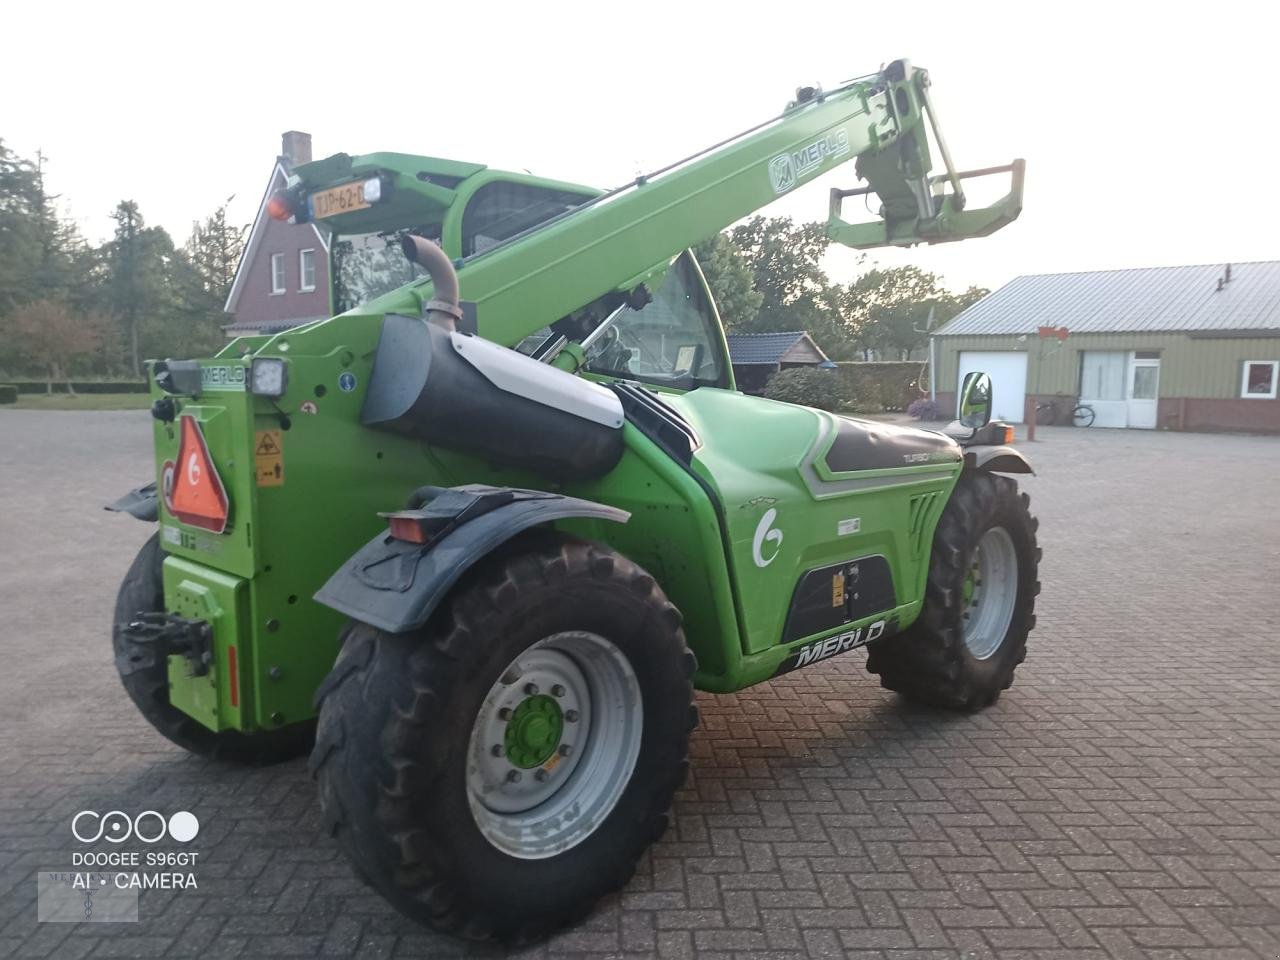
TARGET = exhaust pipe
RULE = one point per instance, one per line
(445, 309)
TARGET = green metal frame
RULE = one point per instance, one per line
(694, 527)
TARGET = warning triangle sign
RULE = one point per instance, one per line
(267, 446)
(198, 497)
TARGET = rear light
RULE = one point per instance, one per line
(279, 207)
(407, 526)
(372, 190)
(194, 491)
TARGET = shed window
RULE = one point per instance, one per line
(1259, 379)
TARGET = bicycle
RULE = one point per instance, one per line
(1048, 413)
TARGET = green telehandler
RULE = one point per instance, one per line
(473, 542)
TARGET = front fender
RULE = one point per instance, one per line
(395, 585)
(996, 459)
(141, 502)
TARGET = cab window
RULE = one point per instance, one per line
(500, 210)
(669, 342)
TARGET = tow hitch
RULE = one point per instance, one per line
(154, 637)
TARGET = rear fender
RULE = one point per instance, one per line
(996, 459)
(395, 585)
(140, 503)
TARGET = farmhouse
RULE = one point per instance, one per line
(1182, 348)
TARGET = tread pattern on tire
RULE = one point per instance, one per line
(929, 662)
(368, 800)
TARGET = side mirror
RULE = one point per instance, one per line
(975, 400)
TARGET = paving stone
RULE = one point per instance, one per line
(1122, 799)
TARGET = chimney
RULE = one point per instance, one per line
(295, 148)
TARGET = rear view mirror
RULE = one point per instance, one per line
(975, 400)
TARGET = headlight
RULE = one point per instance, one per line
(372, 190)
(268, 377)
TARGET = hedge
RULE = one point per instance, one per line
(8, 393)
(888, 385)
(83, 386)
(810, 387)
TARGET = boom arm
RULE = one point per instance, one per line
(613, 242)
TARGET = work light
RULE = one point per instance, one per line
(267, 377)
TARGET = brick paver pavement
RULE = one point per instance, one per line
(1122, 800)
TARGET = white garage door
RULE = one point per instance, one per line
(1008, 369)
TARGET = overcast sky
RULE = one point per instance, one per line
(1150, 130)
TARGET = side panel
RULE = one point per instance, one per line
(787, 514)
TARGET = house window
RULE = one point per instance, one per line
(306, 270)
(277, 273)
(1259, 380)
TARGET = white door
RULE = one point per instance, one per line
(1008, 370)
(1143, 390)
(1102, 386)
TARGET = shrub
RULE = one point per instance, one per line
(922, 408)
(8, 393)
(809, 387)
(888, 384)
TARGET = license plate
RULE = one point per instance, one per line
(340, 199)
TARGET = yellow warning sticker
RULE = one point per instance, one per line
(837, 589)
(268, 457)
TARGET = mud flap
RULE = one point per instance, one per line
(395, 585)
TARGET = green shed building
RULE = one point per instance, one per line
(1182, 348)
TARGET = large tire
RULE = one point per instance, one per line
(143, 592)
(946, 658)
(399, 748)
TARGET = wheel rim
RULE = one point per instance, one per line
(990, 592)
(554, 745)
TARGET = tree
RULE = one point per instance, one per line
(784, 261)
(731, 280)
(890, 312)
(53, 337)
(140, 266)
(203, 275)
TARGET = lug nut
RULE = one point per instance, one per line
(541, 775)
(513, 776)
(571, 716)
(498, 750)
(504, 714)
(531, 689)
(566, 749)
(557, 691)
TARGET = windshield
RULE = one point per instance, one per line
(667, 342)
(367, 265)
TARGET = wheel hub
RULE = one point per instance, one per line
(989, 593)
(533, 733)
(553, 744)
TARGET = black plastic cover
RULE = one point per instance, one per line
(867, 445)
(140, 502)
(421, 386)
(839, 593)
(395, 585)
